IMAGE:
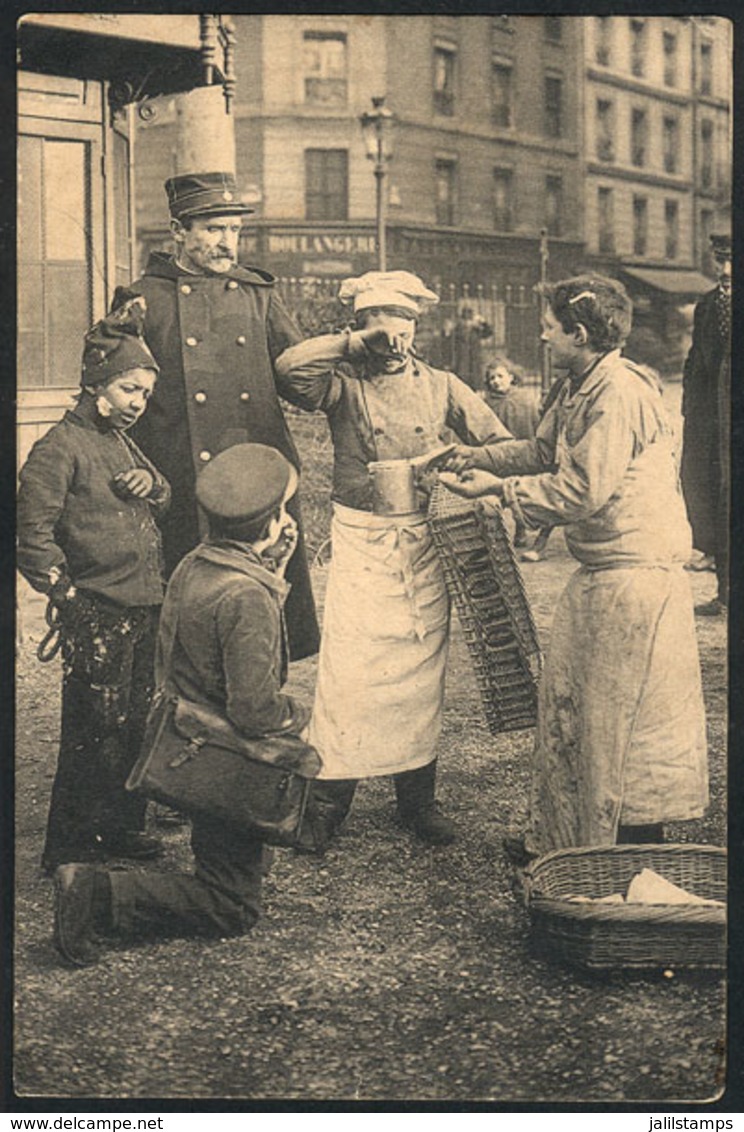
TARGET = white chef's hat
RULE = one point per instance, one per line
(387, 289)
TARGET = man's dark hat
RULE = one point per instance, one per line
(115, 344)
(199, 194)
(720, 244)
(244, 482)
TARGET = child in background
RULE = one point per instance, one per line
(87, 538)
(515, 405)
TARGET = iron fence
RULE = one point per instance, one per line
(469, 322)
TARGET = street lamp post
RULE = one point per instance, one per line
(377, 129)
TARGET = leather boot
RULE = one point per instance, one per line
(329, 803)
(417, 808)
(82, 909)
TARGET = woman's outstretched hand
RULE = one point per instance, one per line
(461, 458)
(472, 483)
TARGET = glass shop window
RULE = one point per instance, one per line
(55, 259)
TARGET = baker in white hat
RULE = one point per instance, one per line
(378, 701)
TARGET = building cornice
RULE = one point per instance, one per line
(652, 179)
(638, 86)
(446, 127)
(657, 264)
(713, 102)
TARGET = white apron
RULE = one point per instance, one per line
(378, 699)
(621, 727)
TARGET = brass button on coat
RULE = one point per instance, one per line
(191, 341)
(244, 396)
(200, 397)
(240, 339)
(205, 456)
(232, 285)
(185, 289)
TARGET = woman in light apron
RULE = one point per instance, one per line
(620, 746)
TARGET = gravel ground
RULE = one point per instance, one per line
(386, 972)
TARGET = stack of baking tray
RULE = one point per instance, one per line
(486, 589)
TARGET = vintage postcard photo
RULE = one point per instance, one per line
(374, 414)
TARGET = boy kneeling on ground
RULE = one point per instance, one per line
(223, 613)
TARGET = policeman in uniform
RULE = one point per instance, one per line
(215, 328)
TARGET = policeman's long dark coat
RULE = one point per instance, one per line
(706, 412)
(215, 338)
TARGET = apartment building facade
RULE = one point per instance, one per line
(486, 144)
(658, 154)
(611, 134)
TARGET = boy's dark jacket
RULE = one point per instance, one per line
(72, 525)
(224, 612)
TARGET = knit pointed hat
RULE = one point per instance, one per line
(116, 344)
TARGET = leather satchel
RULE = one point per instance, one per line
(194, 759)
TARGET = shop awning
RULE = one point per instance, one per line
(175, 31)
(670, 281)
(146, 55)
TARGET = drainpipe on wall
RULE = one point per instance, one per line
(205, 134)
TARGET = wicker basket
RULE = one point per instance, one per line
(486, 588)
(641, 936)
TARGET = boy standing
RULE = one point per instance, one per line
(87, 538)
(514, 405)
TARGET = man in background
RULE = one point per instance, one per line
(707, 418)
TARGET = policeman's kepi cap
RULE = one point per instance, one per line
(245, 482)
(204, 194)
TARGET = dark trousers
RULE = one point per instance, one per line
(331, 798)
(221, 898)
(108, 653)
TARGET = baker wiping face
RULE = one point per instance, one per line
(389, 349)
(387, 305)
